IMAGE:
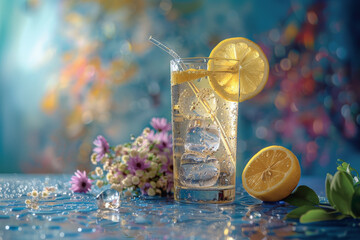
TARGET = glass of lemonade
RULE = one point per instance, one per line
(204, 128)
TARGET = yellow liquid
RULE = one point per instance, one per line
(202, 162)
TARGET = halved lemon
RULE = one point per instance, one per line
(253, 65)
(271, 174)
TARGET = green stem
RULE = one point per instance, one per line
(327, 206)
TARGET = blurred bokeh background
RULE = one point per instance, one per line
(70, 70)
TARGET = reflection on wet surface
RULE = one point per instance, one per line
(67, 215)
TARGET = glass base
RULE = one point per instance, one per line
(204, 195)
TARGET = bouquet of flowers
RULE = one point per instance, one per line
(143, 166)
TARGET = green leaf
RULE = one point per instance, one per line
(128, 145)
(152, 146)
(317, 215)
(341, 192)
(345, 167)
(91, 177)
(328, 181)
(303, 195)
(297, 212)
(355, 202)
(342, 165)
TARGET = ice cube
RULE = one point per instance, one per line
(191, 105)
(197, 170)
(202, 136)
(108, 199)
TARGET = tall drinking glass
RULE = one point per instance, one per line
(204, 129)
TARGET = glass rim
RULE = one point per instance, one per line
(201, 59)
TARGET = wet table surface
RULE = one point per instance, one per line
(65, 215)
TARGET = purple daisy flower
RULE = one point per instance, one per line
(137, 163)
(102, 147)
(152, 136)
(160, 124)
(80, 182)
(163, 140)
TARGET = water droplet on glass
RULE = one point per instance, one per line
(108, 199)
(192, 105)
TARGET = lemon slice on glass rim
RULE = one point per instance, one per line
(252, 63)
